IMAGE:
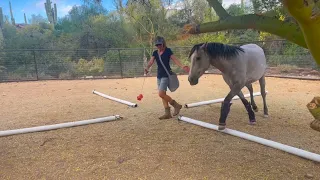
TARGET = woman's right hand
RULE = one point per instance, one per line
(186, 69)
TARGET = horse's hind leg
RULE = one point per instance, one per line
(262, 82)
(253, 103)
(252, 118)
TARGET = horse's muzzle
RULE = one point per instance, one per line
(193, 81)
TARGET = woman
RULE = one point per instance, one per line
(162, 76)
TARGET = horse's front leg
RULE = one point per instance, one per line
(225, 106)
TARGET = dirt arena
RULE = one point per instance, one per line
(140, 146)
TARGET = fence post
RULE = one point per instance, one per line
(145, 61)
(35, 64)
(120, 63)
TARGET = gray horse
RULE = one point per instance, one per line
(240, 66)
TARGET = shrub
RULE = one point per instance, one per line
(65, 75)
(55, 69)
(3, 73)
(90, 68)
(97, 66)
(286, 68)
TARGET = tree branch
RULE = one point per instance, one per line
(152, 27)
(287, 30)
(139, 23)
(221, 12)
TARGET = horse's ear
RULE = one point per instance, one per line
(204, 46)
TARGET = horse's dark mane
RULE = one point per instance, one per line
(218, 50)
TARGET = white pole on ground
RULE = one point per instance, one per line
(276, 145)
(115, 99)
(58, 126)
(219, 100)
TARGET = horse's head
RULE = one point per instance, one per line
(200, 62)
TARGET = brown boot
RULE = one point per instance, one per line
(167, 114)
(176, 106)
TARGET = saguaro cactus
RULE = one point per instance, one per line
(12, 18)
(6, 19)
(1, 25)
(51, 12)
(55, 12)
(1, 17)
(25, 19)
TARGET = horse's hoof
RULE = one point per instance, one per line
(255, 109)
(252, 122)
(221, 127)
(266, 116)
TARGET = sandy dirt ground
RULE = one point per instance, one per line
(140, 146)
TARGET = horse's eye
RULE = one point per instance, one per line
(197, 58)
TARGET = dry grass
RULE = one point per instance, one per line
(142, 147)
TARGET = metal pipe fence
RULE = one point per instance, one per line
(46, 64)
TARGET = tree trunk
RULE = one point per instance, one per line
(307, 14)
(314, 109)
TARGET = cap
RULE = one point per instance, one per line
(159, 40)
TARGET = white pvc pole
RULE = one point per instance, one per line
(276, 145)
(57, 126)
(115, 99)
(219, 100)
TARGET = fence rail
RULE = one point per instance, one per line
(45, 64)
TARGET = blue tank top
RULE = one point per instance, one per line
(165, 57)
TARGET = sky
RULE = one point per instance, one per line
(63, 6)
